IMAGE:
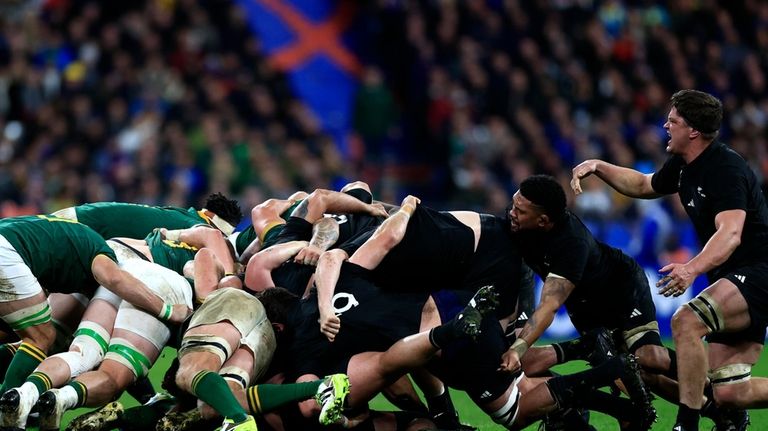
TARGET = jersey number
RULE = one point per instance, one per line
(348, 301)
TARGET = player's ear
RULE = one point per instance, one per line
(542, 220)
(278, 327)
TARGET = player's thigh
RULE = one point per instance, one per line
(728, 303)
(745, 352)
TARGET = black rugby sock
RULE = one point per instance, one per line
(441, 336)
(612, 405)
(442, 406)
(568, 388)
(569, 350)
(688, 417)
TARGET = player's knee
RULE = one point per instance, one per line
(731, 385)
(652, 357)
(309, 409)
(685, 324)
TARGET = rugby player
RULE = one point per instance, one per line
(722, 197)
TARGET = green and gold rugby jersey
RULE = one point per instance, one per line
(170, 254)
(58, 251)
(248, 235)
(116, 219)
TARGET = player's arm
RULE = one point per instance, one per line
(258, 273)
(729, 226)
(325, 233)
(249, 251)
(203, 236)
(326, 276)
(266, 215)
(555, 291)
(626, 181)
(123, 284)
(386, 236)
(323, 201)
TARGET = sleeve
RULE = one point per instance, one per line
(570, 260)
(728, 190)
(352, 244)
(667, 179)
(296, 229)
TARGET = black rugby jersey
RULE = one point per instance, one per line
(719, 180)
(570, 251)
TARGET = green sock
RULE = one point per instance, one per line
(213, 390)
(41, 381)
(266, 398)
(6, 355)
(82, 392)
(24, 362)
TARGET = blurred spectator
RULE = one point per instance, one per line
(163, 102)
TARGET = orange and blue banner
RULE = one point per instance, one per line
(306, 40)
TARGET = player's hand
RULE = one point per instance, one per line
(510, 362)
(583, 170)
(179, 313)
(308, 255)
(677, 277)
(329, 324)
(410, 200)
(377, 210)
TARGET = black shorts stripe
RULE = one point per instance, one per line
(196, 343)
(711, 310)
(701, 315)
(731, 379)
(235, 377)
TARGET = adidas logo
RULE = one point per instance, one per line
(485, 395)
(522, 316)
(741, 278)
(635, 313)
(691, 204)
(677, 428)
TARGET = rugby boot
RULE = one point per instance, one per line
(331, 395)
(179, 421)
(101, 419)
(14, 409)
(732, 420)
(51, 409)
(482, 304)
(448, 421)
(249, 424)
(571, 419)
(637, 390)
(600, 346)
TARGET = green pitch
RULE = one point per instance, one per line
(470, 414)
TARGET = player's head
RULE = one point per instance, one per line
(701, 111)
(227, 210)
(277, 303)
(538, 204)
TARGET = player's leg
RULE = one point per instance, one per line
(85, 353)
(130, 356)
(720, 307)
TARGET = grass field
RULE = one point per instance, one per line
(470, 414)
